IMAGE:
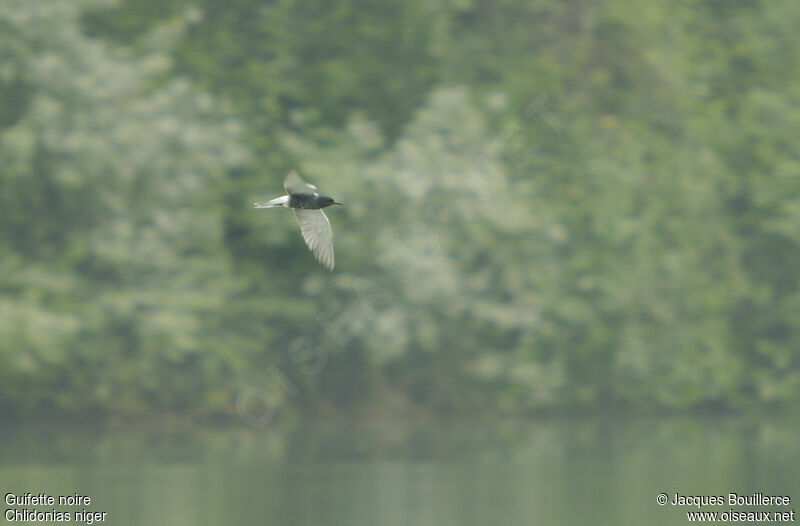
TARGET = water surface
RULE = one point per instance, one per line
(459, 472)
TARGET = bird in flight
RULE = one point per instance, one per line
(307, 204)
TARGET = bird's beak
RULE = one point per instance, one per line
(338, 203)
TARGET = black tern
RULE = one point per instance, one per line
(303, 199)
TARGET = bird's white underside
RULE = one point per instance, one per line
(278, 201)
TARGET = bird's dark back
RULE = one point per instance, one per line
(309, 201)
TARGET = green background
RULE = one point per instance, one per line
(551, 207)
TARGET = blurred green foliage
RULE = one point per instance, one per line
(550, 205)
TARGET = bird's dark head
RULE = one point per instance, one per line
(325, 201)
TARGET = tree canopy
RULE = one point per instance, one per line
(550, 206)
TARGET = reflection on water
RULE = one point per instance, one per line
(597, 471)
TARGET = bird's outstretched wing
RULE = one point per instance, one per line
(317, 234)
(294, 184)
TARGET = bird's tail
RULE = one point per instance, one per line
(278, 201)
